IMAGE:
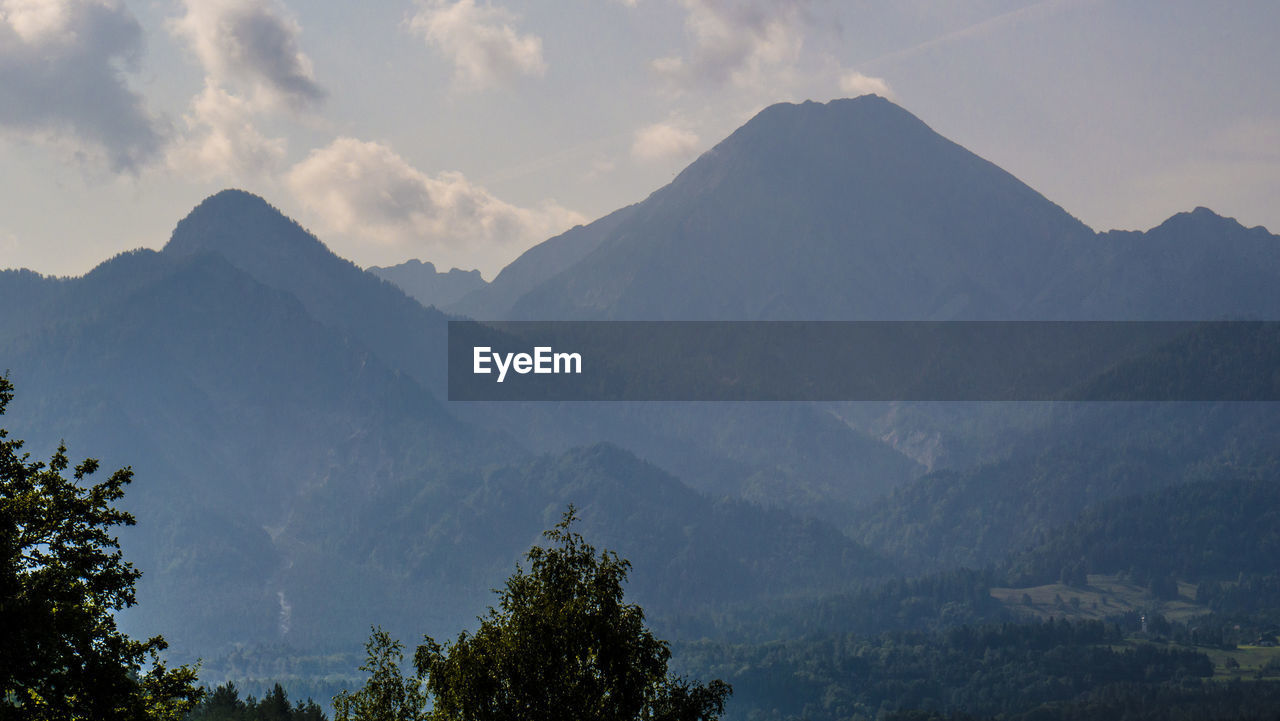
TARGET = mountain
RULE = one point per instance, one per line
(856, 209)
(233, 404)
(258, 239)
(1079, 456)
(297, 478)
(850, 210)
(1194, 266)
(537, 265)
(1205, 531)
(797, 456)
(424, 284)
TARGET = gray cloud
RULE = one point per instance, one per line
(480, 41)
(62, 80)
(664, 141)
(854, 83)
(366, 191)
(737, 42)
(222, 140)
(254, 44)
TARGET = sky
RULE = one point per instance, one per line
(463, 132)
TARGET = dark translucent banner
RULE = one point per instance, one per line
(873, 361)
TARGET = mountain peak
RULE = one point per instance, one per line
(421, 280)
(850, 209)
(866, 116)
(867, 104)
(234, 195)
(239, 225)
(1200, 220)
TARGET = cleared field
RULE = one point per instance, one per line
(1256, 662)
(1104, 596)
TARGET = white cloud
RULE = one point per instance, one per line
(600, 167)
(366, 191)
(254, 45)
(737, 42)
(62, 80)
(663, 141)
(479, 40)
(224, 142)
(854, 83)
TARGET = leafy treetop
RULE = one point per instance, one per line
(62, 575)
(562, 644)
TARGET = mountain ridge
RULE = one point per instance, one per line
(856, 209)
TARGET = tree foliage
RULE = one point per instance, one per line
(388, 695)
(992, 671)
(562, 644)
(62, 576)
(224, 704)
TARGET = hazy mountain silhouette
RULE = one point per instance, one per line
(852, 209)
(232, 403)
(299, 477)
(537, 265)
(858, 210)
(296, 481)
(427, 286)
(1194, 266)
(258, 239)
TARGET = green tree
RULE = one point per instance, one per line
(223, 704)
(562, 645)
(62, 576)
(388, 695)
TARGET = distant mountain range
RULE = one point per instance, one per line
(422, 283)
(298, 479)
(300, 476)
(858, 210)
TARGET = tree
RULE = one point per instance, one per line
(223, 704)
(62, 576)
(388, 695)
(562, 645)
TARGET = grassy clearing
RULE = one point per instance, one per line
(1109, 595)
(1104, 596)
(1256, 662)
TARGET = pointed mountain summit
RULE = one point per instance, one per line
(238, 224)
(844, 210)
(856, 209)
(276, 251)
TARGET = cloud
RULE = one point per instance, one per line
(367, 191)
(485, 49)
(600, 167)
(223, 140)
(737, 42)
(663, 141)
(62, 80)
(854, 83)
(253, 44)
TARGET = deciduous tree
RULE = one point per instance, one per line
(62, 576)
(563, 645)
